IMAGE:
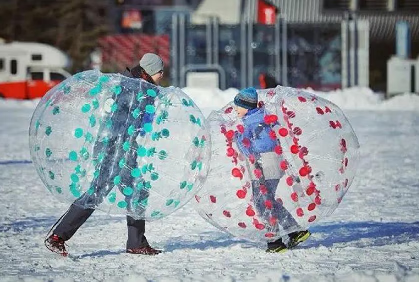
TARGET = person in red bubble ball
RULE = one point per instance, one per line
(150, 69)
(256, 143)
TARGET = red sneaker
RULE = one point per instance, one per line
(56, 244)
(147, 250)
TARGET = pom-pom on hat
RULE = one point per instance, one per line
(247, 98)
(151, 63)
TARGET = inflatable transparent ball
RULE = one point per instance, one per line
(302, 178)
(120, 145)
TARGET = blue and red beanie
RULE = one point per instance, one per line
(247, 98)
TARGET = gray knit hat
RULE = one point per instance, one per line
(151, 63)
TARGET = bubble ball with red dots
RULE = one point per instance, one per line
(265, 196)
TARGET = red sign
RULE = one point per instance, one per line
(266, 12)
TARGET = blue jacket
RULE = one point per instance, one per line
(257, 132)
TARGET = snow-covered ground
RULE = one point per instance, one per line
(372, 236)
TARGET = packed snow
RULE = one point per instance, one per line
(372, 236)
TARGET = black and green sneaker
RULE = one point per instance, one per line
(297, 238)
(276, 247)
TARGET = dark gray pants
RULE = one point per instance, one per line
(76, 216)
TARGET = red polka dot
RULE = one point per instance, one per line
(290, 180)
(197, 198)
(268, 204)
(318, 200)
(294, 149)
(302, 99)
(291, 114)
(240, 128)
(284, 165)
(319, 111)
(237, 173)
(269, 235)
(310, 190)
(300, 212)
(311, 206)
(250, 211)
(258, 173)
(226, 213)
(230, 152)
(242, 224)
(297, 131)
(278, 150)
(241, 194)
(229, 134)
(213, 199)
(294, 197)
(303, 171)
(259, 226)
(312, 218)
(283, 132)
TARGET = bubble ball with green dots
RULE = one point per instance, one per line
(119, 144)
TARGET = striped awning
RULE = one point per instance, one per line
(382, 24)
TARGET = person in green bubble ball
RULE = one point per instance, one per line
(255, 142)
(149, 69)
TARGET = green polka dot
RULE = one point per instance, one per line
(176, 202)
(151, 93)
(117, 89)
(193, 165)
(122, 204)
(58, 189)
(37, 148)
(84, 153)
(136, 113)
(140, 185)
(85, 108)
(109, 123)
(74, 178)
(165, 133)
(88, 137)
(114, 107)
(140, 96)
(141, 151)
(56, 110)
(182, 184)
(78, 132)
(150, 109)
(117, 180)
(37, 124)
(112, 197)
(72, 156)
(154, 176)
(125, 146)
(169, 202)
(95, 90)
(148, 127)
(66, 89)
(131, 130)
(155, 213)
(48, 130)
(162, 154)
(96, 174)
(48, 152)
(135, 172)
(104, 78)
(189, 186)
(121, 163)
(127, 191)
(100, 156)
(92, 121)
(51, 175)
(95, 103)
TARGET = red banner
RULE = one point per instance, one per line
(266, 13)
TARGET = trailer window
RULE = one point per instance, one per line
(37, 75)
(13, 66)
(36, 57)
(57, 76)
(1, 64)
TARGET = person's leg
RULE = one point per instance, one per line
(71, 221)
(136, 230)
